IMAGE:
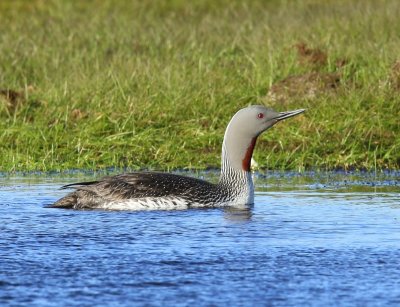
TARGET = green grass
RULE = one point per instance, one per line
(153, 84)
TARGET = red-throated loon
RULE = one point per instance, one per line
(163, 191)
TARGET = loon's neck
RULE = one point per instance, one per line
(235, 176)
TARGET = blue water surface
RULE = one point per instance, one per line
(309, 240)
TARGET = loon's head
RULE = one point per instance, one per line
(244, 128)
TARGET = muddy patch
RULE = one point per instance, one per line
(305, 86)
(314, 57)
(394, 76)
(311, 84)
(12, 101)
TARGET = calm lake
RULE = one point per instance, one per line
(312, 239)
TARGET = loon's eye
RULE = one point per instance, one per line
(260, 115)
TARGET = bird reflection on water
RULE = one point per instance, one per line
(235, 214)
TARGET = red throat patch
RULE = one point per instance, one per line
(246, 162)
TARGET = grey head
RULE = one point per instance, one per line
(242, 132)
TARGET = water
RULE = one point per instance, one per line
(313, 240)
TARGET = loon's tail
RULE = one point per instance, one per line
(67, 202)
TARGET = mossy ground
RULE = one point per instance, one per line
(143, 84)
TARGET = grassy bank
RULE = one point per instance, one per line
(132, 83)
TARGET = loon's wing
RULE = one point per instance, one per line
(130, 186)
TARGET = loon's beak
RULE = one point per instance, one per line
(284, 115)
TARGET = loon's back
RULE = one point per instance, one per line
(141, 191)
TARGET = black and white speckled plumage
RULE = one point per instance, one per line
(147, 191)
(153, 191)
